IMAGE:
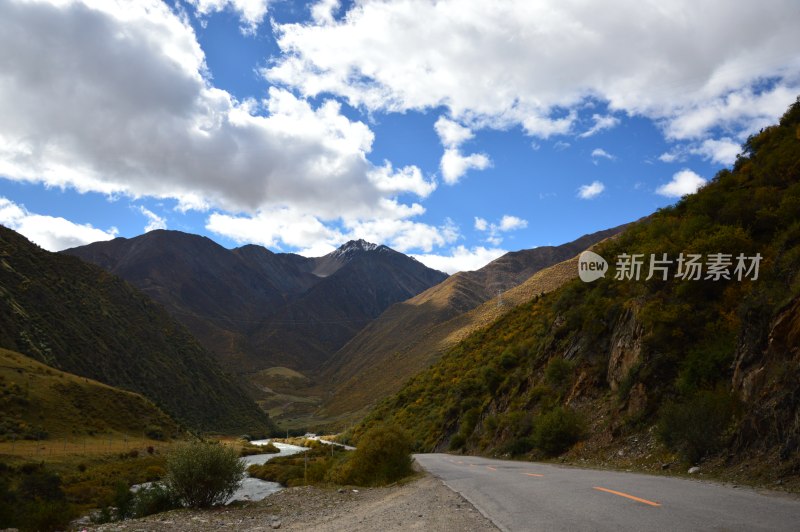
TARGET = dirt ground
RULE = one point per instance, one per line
(421, 504)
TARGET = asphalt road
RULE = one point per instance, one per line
(532, 496)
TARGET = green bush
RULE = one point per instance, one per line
(311, 466)
(383, 456)
(695, 427)
(37, 503)
(457, 442)
(557, 430)
(518, 446)
(203, 474)
(558, 372)
(154, 499)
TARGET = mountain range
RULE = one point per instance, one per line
(257, 309)
(411, 335)
(78, 318)
(649, 371)
(340, 331)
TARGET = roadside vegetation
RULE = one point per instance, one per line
(382, 457)
(540, 381)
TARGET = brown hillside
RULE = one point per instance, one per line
(411, 335)
(40, 402)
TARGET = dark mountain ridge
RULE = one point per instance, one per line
(81, 319)
(257, 309)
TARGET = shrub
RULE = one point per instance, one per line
(123, 500)
(155, 433)
(695, 427)
(518, 446)
(457, 442)
(383, 456)
(154, 472)
(556, 431)
(558, 372)
(202, 474)
(154, 499)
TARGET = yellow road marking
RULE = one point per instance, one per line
(490, 467)
(637, 499)
(533, 474)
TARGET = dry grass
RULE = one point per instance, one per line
(418, 337)
(40, 402)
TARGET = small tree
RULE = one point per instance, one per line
(696, 426)
(557, 430)
(203, 474)
(383, 456)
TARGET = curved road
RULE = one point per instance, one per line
(532, 496)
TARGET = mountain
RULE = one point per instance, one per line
(357, 283)
(647, 372)
(411, 335)
(78, 318)
(217, 294)
(39, 401)
(257, 309)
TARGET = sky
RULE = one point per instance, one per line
(453, 130)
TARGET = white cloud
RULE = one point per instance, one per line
(117, 99)
(591, 191)
(275, 228)
(600, 123)
(50, 232)
(493, 230)
(280, 228)
(453, 164)
(408, 179)
(510, 63)
(461, 259)
(561, 145)
(722, 151)
(154, 221)
(741, 111)
(512, 223)
(683, 182)
(251, 12)
(323, 11)
(672, 156)
(598, 153)
(452, 134)
(404, 235)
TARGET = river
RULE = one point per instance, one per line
(253, 489)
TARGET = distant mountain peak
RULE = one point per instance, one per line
(355, 246)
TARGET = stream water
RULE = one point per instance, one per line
(253, 489)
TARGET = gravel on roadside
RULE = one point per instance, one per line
(421, 504)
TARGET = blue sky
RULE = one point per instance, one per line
(453, 131)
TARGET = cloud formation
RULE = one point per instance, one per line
(600, 123)
(600, 153)
(509, 63)
(682, 183)
(117, 100)
(251, 12)
(454, 164)
(592, 190)
(460, 259)
(154, 221)
(494, 230)
(50, 232)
